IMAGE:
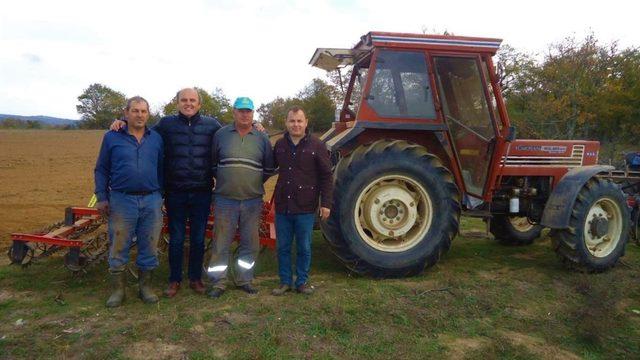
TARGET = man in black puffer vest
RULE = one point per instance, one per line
(187, 183)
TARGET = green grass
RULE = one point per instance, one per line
(482, 300)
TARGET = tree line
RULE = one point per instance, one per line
(576, 89)
(11, 123)
(580, 89)
(99, 105)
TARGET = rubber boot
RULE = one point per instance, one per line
(119, 283)
(144, 283)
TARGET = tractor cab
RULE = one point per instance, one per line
(425, 83)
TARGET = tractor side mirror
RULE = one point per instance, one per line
(511, 134)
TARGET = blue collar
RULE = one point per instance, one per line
(125, 130)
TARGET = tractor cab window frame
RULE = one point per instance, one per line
(354, 95)
(465, 103)
(400, 85)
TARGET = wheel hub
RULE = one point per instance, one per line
(603, 227)
(393, 212)
(599, 226)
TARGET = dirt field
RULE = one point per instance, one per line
(41, 173)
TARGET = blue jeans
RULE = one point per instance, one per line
(231, 216)
(186, 206)
(299, 226)
(130, 216)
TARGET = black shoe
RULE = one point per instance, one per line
(248, 288)
(215, 293)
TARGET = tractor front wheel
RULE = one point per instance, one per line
(396, 210)
(598, 229)
(514, 230)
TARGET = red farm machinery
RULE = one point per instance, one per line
(84, 248)
(423, 137)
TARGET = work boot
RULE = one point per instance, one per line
(248, 288)
(144, 287)
(118, 283)
(304, 289)
(215, 292)
(279, 291)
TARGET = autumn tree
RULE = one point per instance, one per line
(580, 89)
(99, 105)
(317, 100)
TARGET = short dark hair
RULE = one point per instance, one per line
(194, 89)
(136, 99)
(295, 108)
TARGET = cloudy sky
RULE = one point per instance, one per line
(52, 50)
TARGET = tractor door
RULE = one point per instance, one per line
(463, 97)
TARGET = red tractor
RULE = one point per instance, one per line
(423, 137)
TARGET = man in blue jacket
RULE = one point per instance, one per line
(128, 180)
(188, 181)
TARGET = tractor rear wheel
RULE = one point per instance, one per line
(514, 230)
(396, 210)
(598, 229)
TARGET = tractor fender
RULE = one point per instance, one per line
(557, 211)
(338, 141)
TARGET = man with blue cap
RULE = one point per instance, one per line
(241, 160)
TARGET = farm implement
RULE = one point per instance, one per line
(85, 239)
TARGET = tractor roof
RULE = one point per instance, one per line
(332, 58)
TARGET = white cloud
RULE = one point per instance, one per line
(251, 48)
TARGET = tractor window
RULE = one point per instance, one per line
(492, 94)
(400, 86)
(464, 99)
(467, 114)
(358, 85)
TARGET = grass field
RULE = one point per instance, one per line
(482, 300)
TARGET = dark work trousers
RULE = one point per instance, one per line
(192, 206)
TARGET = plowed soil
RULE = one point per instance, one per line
(41, 173)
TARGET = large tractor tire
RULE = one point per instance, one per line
(514, 230)
(598, 229)
(396, 210)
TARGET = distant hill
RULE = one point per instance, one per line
(49, 120)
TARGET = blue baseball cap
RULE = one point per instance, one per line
(243, 103)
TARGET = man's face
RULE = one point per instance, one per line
(188, 103)
(137, 115)
(243, 117)
(296, 123)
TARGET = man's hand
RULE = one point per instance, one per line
(117, 125)
(103, 208)
(259, 127)
(324, 213)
